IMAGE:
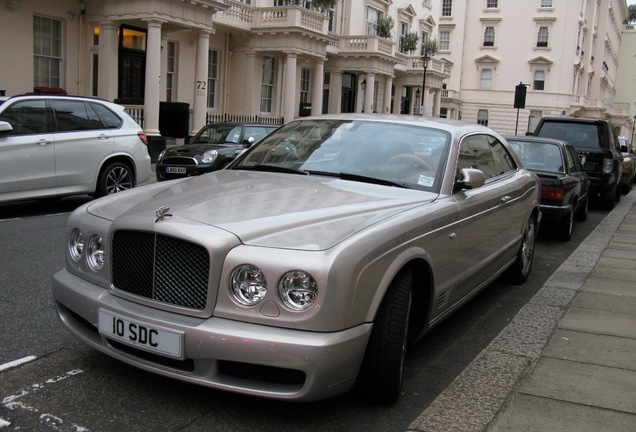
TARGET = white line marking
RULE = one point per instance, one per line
(17, 362)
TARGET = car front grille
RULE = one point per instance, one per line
(161, 268)
(179, 160)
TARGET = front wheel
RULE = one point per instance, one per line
(116, 177)
(380, 376)
(520, 270)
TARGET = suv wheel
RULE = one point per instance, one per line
(116, 177)
(608, 199)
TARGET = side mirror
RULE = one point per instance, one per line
(249, 142)
(5, 126)
(470, 178)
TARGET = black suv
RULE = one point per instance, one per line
(598, 147)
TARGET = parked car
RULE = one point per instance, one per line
(52, 145)
(298, 276)
(629, 165)
(597, 144)
(211, 149)
(564, 184)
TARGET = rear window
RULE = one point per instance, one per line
(580, 135)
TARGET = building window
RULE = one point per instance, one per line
(424, 40)
(489, 36)
(213, 75)
(267, 84)
(539, 80)
(542, 37)
(492, 4)
(372, 20)
(485, 79)
(482, 117)
(546, 3)
(305, 80)
(404, 29)
(47, 52)
(444, 41)
(447, 7)
(171, 69)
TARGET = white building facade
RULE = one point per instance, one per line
(275, 60)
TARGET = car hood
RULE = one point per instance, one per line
(199, 148)
(265, 209)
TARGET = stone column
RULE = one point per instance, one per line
(388, 86)
(200, 100)
(152, 91)
(252, 89)
(316, 89)
(369, 91)
(107, 61)
(289, 94)
(335, 93)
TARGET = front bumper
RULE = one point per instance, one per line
(230, 355)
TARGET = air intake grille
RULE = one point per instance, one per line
(161, 268)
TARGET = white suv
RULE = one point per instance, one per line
(53, 145)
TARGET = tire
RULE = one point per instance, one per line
(520, 270)
(116, 177)
(581, 213)
(608, 199)
(380, 376)
(565, 226)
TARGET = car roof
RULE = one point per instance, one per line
(573, 119)
(449, 125)
(537, 140)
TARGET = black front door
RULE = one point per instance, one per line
(349, 93)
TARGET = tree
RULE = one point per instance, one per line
(408, 42)
(384, 26)
(323, 5)
(430, 47)
(631, 17)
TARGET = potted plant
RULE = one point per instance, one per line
(408, 42)
(384, 26)
(430, 48)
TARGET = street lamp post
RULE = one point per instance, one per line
(425, 58)
(633, 127)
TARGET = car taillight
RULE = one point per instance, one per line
(552, 193)
(142, 136)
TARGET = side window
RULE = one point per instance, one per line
(109, 118)
(75, 116)
(257, 132)
(485, 153)
(576, 159)
(27, 117)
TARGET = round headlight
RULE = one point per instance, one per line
(95, 253)
(298, 290)
(248, 284)
(209, 156)
(161, 155)
(76, 244)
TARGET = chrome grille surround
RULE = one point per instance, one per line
(160, 268)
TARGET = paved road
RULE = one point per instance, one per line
(68, 386)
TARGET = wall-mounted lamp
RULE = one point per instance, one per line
(72, 16)
(363, 85)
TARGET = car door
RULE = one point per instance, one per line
(27, 162)
(487, 228)
(82, 143)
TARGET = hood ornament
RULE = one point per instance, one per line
(162, 213)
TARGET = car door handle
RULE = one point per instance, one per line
(43, 142)
(103, 137)
(506, 199)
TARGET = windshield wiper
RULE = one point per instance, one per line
(373, 180)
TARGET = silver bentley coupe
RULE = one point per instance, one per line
(305, 268)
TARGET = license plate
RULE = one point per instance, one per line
(175, 170)
(141, 335)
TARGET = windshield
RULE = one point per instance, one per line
(372, 151)
(218, 134)
(538, 155)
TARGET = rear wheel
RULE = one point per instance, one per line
(565, 226)
(581, 213)
(380, 377)
(520, 270)
(116, 177)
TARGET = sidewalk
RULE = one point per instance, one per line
(567, 361)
